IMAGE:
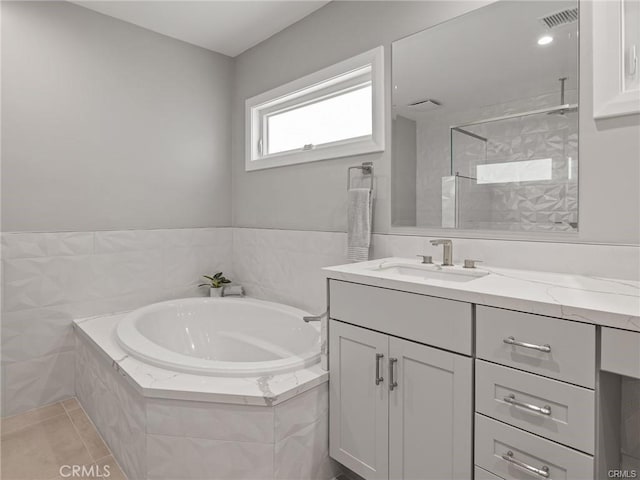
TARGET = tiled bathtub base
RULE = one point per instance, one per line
(117, 411)
(173, 439)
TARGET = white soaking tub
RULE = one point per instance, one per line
(207, 388)
(221, 336)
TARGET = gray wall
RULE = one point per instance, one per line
(106, 125)
(312, 196)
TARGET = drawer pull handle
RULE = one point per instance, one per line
(511, 399)
(541, 348)
(379, 379)
(392, 383)
(543, 472)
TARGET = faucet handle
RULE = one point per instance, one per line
(471, 263)
(425, 258)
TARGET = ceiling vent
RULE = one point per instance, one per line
(561, 18)
(424, 105)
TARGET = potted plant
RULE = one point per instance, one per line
(215, 283)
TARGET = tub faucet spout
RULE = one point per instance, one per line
(447, 253)
(315, 318)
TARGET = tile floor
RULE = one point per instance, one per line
(36, 444)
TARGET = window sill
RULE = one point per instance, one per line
(361, 147)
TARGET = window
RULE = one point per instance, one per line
(336, 112)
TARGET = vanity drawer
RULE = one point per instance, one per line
(500, 446)
(572, 346)
(569, 418)
(430, 320)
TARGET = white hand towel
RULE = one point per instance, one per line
(359, 218)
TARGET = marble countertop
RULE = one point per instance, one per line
(599, 301)
(154, 382)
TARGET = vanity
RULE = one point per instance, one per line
(453, 373)
(446, 372)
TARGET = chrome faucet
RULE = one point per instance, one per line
(315, 318)
(447, 253)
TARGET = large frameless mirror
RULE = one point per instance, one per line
(485, 121)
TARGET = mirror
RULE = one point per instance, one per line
(485, 121)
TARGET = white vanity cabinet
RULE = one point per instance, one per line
(423, 386)
(399, 409)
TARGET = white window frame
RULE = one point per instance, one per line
(312, 88)
(610, 97)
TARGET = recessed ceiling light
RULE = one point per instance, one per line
(545, 40)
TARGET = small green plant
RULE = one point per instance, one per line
(216, 281)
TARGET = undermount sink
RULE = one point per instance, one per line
(420, 271)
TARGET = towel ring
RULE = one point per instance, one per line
(367, 169)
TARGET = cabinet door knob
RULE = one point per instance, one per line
(379, 358)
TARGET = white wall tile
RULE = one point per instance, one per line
(285, 266)
(124, 273)
(33, 383)
(215, 421)
(23, 245)
(69, 243)
(50, 278)
(28, 334)
(30, 283)
(29, 245)
(118, 241)
(183, 267)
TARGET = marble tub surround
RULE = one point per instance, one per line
(608, 302)
(51, 278)
(154, 382)
(161, 438)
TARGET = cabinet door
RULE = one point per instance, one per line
(430, 413)
(359, 400)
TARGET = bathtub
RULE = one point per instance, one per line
(213, 388)
(221, 336)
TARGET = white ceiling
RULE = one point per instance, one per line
(228, 27)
